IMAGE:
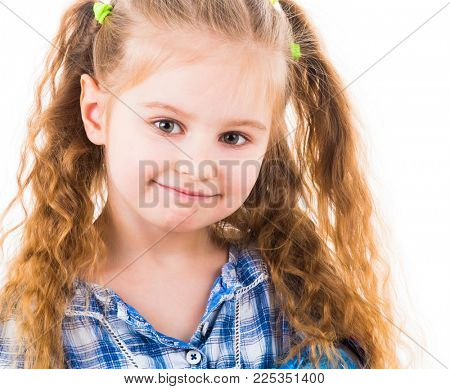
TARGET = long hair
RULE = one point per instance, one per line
(310, 212)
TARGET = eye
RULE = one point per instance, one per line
(166, 128)
(232, 136)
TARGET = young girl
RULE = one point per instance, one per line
(204, 251)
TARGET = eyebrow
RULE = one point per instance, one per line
(233, 122)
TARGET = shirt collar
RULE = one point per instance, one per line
(243, 268)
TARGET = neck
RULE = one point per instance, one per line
(135, 245)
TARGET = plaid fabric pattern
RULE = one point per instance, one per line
(237, 330)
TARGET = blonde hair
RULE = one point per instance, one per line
(310, 211)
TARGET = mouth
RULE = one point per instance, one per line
(185, 192)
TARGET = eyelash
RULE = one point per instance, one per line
(174, 121)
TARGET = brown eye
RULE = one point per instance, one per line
(165, 125)
(233, 138)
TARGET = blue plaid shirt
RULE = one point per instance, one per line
(237, 330)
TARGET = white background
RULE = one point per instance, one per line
(395, 58)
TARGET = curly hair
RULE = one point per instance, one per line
(310, 212)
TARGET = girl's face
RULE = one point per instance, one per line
(183, 127)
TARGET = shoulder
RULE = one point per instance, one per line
(351, 361)
(9, 350)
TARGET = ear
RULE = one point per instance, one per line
(92, 107)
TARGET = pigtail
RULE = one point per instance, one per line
(58, 240)
(309, 212)
(340, 250)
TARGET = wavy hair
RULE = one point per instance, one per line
(310, 212)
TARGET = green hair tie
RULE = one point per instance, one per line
(295, 47)
(101, 11)
(295, 50)
(276, 5)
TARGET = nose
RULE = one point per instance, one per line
(199, 170)
(198, 164)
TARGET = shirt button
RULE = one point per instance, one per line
(193, 357)
(205, 328)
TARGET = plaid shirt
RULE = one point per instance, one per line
(237, 329)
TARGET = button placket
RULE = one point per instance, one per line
(205, 328)
(193, 357)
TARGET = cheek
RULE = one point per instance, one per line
(240, 181)
(124, 159)
(123, 172)
(134, 156)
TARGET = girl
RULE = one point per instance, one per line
(204, 251)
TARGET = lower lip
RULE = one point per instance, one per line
(182, 194)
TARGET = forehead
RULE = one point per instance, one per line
(228, 79)
(219, 86)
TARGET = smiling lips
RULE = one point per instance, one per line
(185, 192)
